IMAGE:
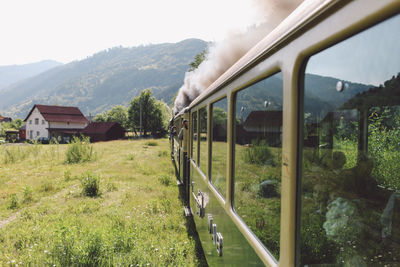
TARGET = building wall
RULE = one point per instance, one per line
(67, 125)
(36, 126)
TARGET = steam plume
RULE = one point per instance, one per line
(224, 54)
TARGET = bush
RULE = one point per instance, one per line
(13, 204)
(27, 194)
(165, 180)
(79, 151)
(151, 143)
(258, 153)
(91, 185)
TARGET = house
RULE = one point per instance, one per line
(5, 119)
(261, 124)
(44, 121)
(104, 131)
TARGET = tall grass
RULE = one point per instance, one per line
(79, 150)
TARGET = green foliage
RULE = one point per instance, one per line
(90, 185)
(258, 153)
(27, 194)
(383, 146)
(165, 180)
(198, 59)
(151, 143)
(117, 114)
(79, 151)
(149, 111)
(13, 202)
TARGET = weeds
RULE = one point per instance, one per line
(165, 180)
(27, 194)
(258, 153)
(91, 185)
(151, 143)
(79, 151)
(13, 203)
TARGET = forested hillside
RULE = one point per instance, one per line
(105, 79)
(15, 73)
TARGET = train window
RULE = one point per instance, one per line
(194, 136)
(219, 145)
(350, 180)
(258, 148)
(203, 141)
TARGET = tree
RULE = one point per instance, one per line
(117, 114)
(151, 112)
(198, 59)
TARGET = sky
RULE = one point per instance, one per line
(370, 57)
(68, 30)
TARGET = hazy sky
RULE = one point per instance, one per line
(66, 30)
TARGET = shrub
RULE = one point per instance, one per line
(151, 143)
(46, 186)
(79, 151)
(27, 194)
(91, 185)
(165, 180)
(67, 175)
(13, 204)
(163, 153)
(258, 153)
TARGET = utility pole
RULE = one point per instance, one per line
(140, 108)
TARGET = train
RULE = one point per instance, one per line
(292, 156)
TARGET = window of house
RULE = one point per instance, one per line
(350, 160)
(30, 121)
(37, 133)
(36, 121)
(31, 134)
(219, 145)
(258, 150)
(42, 121)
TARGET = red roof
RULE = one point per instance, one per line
(60, 114)
(99, 127)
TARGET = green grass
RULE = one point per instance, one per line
(136, 217)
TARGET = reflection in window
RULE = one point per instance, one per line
(350, 200)
(219, 145)
(203, 141)
(258, 159)
(194, 134)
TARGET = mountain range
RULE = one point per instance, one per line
(14, 73)
(108, 78)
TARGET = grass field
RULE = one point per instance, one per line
(136, 219)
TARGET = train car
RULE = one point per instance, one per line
(292, 156)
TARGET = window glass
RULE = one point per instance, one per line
(194, 136)
(36, 121)
(350, 180)
(203, 141)
(219, 145)
(258, 148)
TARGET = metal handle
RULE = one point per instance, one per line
(220, 243)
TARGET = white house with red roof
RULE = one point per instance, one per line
(44, 121)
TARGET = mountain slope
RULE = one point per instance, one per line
(15, 73)
(105, 79)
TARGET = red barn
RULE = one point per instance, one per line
(104, 131)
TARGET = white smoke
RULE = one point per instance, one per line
(224, 54)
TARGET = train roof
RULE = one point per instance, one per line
(301, 16)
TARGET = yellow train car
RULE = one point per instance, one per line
(292, 157)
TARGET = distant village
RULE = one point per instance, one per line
(45, 123)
